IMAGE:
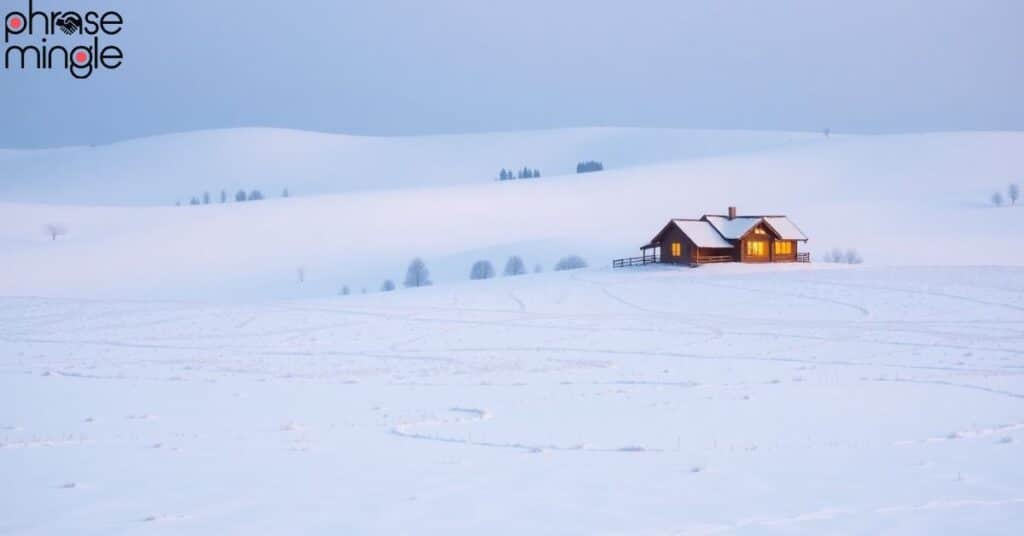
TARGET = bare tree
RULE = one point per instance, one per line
(997, 199)
(481, 270)
(1014, 194)
(417, 275)
(53, 230)
(515, 266)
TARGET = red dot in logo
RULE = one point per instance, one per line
(15, 23)
(81, 57)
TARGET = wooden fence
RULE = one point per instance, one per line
(635, 261)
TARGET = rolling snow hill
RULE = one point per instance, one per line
(163, 169)
(910, 199)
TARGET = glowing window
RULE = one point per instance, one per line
(756, 248)
(784, 248)
(677, 249)
(760, 230)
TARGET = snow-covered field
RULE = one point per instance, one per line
(165, 370)
(651, 401)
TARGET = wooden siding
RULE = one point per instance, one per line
(672, 235)
(769, 238)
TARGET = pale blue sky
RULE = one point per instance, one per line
(439, 66)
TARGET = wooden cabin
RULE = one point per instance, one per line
(723, 238)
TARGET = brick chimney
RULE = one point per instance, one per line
(732, 213)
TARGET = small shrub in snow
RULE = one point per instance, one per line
(240, 195)
(387, 286)
(285, 193)
(572, 262)
(345, 291)
(417, 275)
(53, 230)
(255, 195)
(997, 199)
(515, 266)
(837, 255)
(481, 270)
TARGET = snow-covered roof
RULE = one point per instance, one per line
(787, 230)
(702, 234)
(735, 228)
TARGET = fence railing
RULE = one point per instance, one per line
(713, 259)
(635, 261)
(803, 257)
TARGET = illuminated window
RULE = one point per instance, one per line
(783, 248)
(756, 249)
(760, 230)
(677, 249)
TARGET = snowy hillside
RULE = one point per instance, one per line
(164, 169)
(175, 370)
(732, 399)
(912, 199)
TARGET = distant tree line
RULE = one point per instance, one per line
(240, 196)
(589, 166)
(525, 173)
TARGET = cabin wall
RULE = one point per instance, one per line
(674, 235)
(767, 250)
(784, 257)
(764, 252)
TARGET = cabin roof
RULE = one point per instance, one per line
(702, 234)
(786, 229)
(734, 229)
